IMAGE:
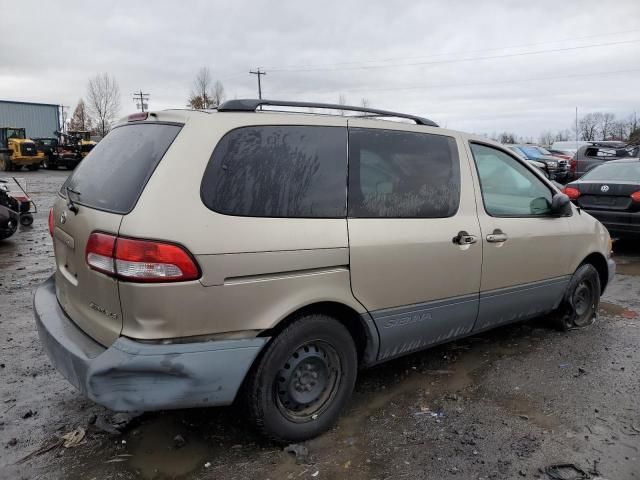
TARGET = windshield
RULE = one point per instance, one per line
(543, 151)
(531, 151)
(614, 172)
(15, 133)
(86, 136)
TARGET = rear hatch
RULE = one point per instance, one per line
(599, 195)
(104, 187)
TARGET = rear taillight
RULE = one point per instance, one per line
(635, 196)
(572, 193)
(99, 252)
(573, 165)
(51, 225)
(139, 260)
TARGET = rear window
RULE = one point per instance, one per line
(395, 174)
(279, 171)
(113, 176)
(614, 172)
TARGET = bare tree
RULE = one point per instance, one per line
(103, 98)
(507, 137)
(342, 100)
(588, 127)
(563, 135)
(606, 125)
(81, 120)
(205, 93)
(547, 138)
(217, 95)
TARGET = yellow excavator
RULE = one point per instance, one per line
(84, 137)
(16, 150)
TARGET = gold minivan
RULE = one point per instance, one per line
(200, 254)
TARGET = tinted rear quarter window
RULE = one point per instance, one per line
(278, 171)
(113, 176)
(395, 174)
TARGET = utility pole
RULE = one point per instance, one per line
(259, 74)
(64, 118)
(142, 100)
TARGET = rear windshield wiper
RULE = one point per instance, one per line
(70, 205)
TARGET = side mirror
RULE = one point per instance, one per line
(560, 205)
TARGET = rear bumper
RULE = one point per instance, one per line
(620, 224)
(134, 376)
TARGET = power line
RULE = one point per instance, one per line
(259, 74)
(522, 45)
(457, 85)
(142, 100)
(459, 60)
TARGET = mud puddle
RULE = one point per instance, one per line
(614, 310)
(630, 268)
(167, 448)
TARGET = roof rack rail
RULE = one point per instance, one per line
(251, 105)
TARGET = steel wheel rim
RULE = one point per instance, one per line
(308, 381)
(582, 299)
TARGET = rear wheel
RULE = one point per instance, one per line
(5, 163)
(582, 297)
(303, 379)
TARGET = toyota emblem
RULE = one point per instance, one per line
(63, 217)
(604, 188)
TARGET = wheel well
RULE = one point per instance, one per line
(600, 264)
(347, 316)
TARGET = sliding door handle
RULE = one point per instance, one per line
(498, 236)
(463, 238)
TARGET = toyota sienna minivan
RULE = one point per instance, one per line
(204, 256)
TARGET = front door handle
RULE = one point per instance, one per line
(463, 238)
(498, 236)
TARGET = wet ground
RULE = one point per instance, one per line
(503, 404)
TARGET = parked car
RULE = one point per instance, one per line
(556, 169)
(611, 193)
(570, 147)
(590, 156)
(564, 154)
(295, 250)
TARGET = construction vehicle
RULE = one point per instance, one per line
(16, 150)
(62, 150)
(84, 140)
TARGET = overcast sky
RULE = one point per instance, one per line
(427, 58)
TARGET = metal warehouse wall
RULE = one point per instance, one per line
(39, 119)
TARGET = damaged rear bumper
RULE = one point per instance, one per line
(134, 376)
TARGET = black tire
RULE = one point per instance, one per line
(580, 303)
(6, 165)
(33, 167)
(302, 380)
(26, 219)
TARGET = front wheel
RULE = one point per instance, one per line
(303, 379)
(5, 164)
(582, 297)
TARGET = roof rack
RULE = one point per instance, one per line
(251, 105)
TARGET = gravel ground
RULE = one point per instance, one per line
(503, 404)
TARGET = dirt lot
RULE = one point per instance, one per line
(499, 405)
